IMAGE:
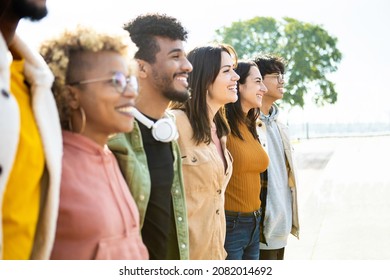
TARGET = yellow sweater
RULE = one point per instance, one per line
(249, 160)
(22, 194)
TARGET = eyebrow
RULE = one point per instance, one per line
(227, 65)
(175, 50)
(258, 78)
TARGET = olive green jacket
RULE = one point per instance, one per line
(129, 151)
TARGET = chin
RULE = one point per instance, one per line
(234, 99)
(125, 128)
(129, 128)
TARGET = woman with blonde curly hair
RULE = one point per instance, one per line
(95, 93)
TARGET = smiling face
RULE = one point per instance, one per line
(107, 110)
(170, 70)
(224, 89)
(275, 88)
(252, 91)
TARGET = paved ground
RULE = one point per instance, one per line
(344, 199)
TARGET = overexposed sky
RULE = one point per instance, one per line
(361, 26)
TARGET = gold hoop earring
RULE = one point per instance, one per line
(83, 121)
(70, 124)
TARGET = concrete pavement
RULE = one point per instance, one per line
(344, 199)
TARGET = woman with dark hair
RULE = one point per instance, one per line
(242, 197)
(207, 164)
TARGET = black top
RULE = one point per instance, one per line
(157, 224)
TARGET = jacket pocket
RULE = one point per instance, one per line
(198, 169)
(128, 247)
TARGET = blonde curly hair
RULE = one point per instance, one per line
(61, 53)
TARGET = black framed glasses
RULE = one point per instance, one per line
(278, 75)
(119, 81)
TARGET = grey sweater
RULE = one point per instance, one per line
(278, 215)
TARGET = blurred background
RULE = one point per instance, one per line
(342, 146)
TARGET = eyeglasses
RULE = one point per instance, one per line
(119, 81)
(279, 76)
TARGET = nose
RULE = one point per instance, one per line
(281, 79)
(187, 66)
(131, 89)
(235, 77)
(263, 88)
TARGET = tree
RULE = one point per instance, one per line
(309, 50)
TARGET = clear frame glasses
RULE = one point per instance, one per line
(119, 81)
(279, 76)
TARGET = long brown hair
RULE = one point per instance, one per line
(234, 113)
(206, 63)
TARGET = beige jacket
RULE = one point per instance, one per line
(39, 76)
(205, 181)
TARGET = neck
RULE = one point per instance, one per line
(245, 109)
(151, 103)
(100, 139)
(212, 112)
(212, 109)
(8, 24)
(266, 107)
(79, 126)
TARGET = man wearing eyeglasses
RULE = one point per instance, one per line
(30, 141)
(151, 149)
(278, 186)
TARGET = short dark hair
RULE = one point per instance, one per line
(145, 28)
(269, 64)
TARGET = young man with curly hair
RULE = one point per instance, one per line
(30, 141)
(151, 149)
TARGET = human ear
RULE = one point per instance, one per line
(73, 97)
(142, 68)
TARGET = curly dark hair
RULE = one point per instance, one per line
(144, 28)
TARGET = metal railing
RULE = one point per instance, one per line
(319, 130)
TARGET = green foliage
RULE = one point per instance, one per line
(309, 50)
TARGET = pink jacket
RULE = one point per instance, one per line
(98, 218)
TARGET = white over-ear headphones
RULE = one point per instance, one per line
(163, 130)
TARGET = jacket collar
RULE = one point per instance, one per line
(83, 143)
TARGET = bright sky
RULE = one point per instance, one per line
(361, 27)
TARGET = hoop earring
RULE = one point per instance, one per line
(83, 120)
(70, 124)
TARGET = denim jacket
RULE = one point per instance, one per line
(129, 151)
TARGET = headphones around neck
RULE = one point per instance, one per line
(163, 130)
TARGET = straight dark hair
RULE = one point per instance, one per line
(234, 112)
(206, 63)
